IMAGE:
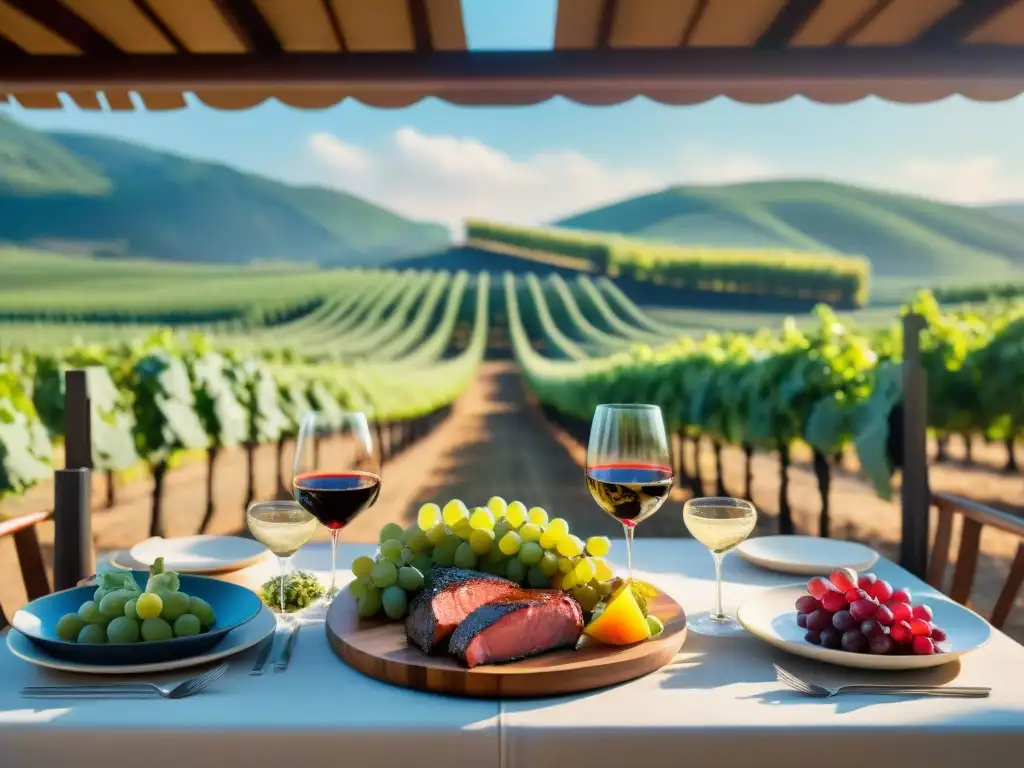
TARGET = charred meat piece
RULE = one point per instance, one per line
(448, 597)
(509, 631)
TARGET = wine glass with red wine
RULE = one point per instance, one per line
(337, 473)
(629, 469)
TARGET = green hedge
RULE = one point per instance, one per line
(963, 293)
(833, 278)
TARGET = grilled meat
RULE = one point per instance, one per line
(448, 597)
(512, 630)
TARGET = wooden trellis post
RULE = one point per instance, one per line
(916, 496)
(73, 555)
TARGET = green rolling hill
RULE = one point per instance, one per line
(86, 192)
(31, 164)
(1011, 211)
(905, 237)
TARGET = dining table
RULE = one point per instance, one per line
(717, 703)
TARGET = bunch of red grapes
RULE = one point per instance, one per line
(864, 614)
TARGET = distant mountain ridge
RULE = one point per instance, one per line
(87, 189)
(902, 235)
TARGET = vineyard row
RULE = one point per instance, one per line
(829, 387)
(402, 346)
(383, 348)
(829, 277)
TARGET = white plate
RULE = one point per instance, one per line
(806, 555)
(199, 554)
(771, 616)
(236, 641)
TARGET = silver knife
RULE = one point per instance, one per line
(261, 661)
(286, 654)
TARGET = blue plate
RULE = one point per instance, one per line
(232, 605)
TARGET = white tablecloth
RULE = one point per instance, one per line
(717, 704)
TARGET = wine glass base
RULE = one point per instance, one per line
(286, 619)
(714, 626)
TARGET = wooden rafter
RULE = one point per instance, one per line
(160, 24)
(421, 25)
(67, 24)
(9, 49)
(861, 23)
(698, 13)
(250, 25)
(605, 23)
(332, 17)
(961, 22)
(788, 23)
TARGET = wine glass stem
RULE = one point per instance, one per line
(335, 533)
(628, 530)
(284, 571)
(719, 614)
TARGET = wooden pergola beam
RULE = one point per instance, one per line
(789, 21)
(67, 24)
(961, 21)
(605, 23)
(250, 25)
(614, 71)
(421, 26)
(157, 21)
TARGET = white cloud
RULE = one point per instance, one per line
(972, 179)
(701, 164)
(450, 178)
(341, 156)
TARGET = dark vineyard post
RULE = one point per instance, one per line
(111, 493)
(719, 472)
(250, 470)
(282, 486)
(73, 556)
(823, 473)
(684, 473)
(156, 520)
(748, 472)
(697, 479)
(211, 462)
(785, 513)
(380, 442)
(968, 448)
(916, 497)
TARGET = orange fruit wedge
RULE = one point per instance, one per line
(621, 623)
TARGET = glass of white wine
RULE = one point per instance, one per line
(720, 524)
(282, 527)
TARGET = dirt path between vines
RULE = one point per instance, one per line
(496, 442)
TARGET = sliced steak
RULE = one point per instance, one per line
(508, 631)
(448, 597)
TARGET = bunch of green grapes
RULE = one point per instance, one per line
(505, 539)
(120, 612)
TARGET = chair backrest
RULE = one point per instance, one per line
(26, 543)
(975, 517)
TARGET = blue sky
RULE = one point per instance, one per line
(439, 162)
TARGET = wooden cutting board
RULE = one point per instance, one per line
(379, 648)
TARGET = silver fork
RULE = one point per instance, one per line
(820, 691)
(182, 690)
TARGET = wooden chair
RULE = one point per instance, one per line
(26, 543)
(975, 517)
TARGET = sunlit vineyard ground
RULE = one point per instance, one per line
(381, 340)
